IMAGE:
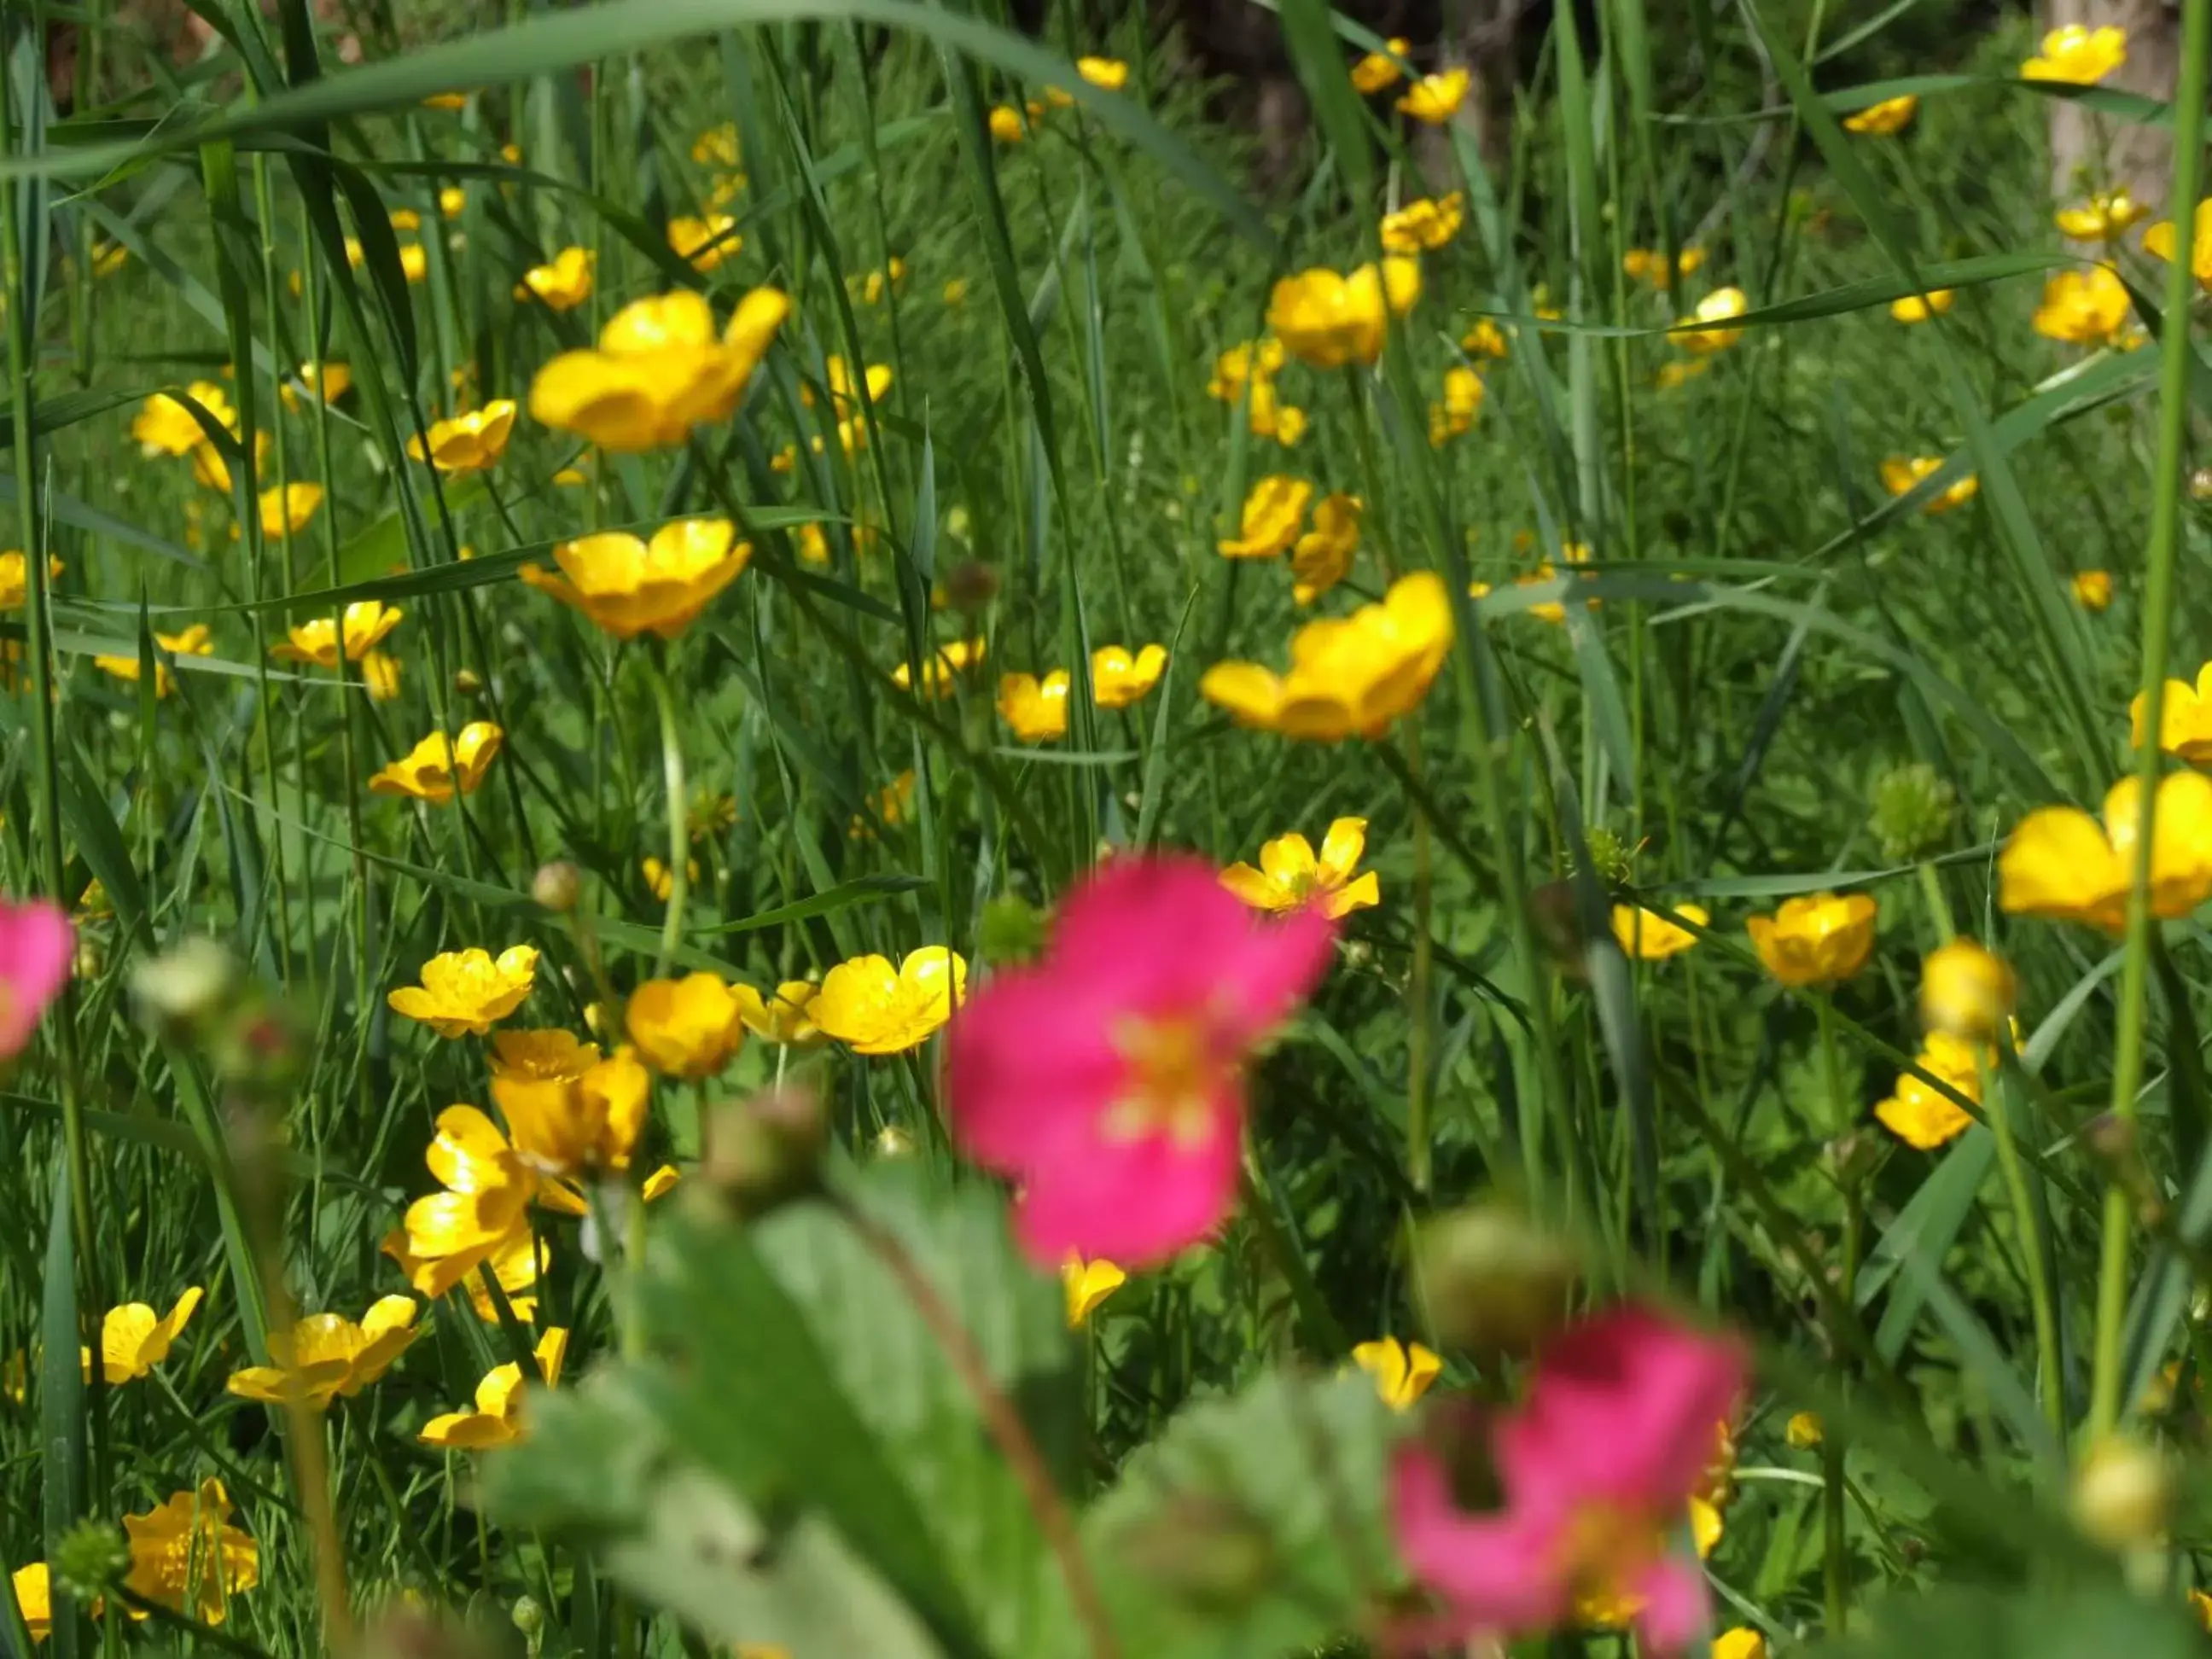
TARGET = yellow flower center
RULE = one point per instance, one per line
(1606, 1550)
(1175, 1068)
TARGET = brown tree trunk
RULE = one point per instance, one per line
(2135, 158)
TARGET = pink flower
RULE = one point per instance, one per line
(36, 947)
(1108, 1080)
(1594, 1468)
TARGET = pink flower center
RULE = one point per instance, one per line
(1177, 1068)
(1605, 1550)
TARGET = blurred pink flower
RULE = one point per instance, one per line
(36, 947)
(1594, 1469)
(1107, 1080)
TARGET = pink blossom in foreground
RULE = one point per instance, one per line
(36, 947)
(1594, 1468)
(1107, 1080)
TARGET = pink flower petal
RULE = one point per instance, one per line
(1675, 1607)
(1138, 1202)
(1030, 1054)
(37, 946)
(1499, 1572)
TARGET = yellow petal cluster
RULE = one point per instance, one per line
(688, 1027)
(2185, 719)
(2083, 308)
(185, 1555)
(1967, 990)
(583, 1125)
(1648, 935)
(1900, 473)
(1292, 875)
(2102, 218)
(786, 1016)
(497, 1418)
(134, 1339)
(2061, 864)
(1649, 264)
(1815, 938)
(363, 626)
(562, 283)
(1037, 709)
(1085, 1284)
(2159, 241)
(1435, 99)
(875, 1008)
(1882, 120)
(164, 426)
(465, 993)
(2078, 55)
(1454, 415)
(1323, 556)
(194, 641)
(1713, 312)
(1328, 320)
(629, 586)
(467, 442)
(1402, 1370)
(704, 243)
(950, 661)
(1120, 680)
(439, 766)
(1379, 71)
(1424, 224)
(1274, 508)
(1919, 308)
(1921, 1116)
(658, 371)
(327, 1356)
(1350, 676)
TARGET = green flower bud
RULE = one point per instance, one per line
(90, 1558)
(1912, 811)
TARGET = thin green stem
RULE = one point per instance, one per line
(2178, 359)
(671, 764)
(1835, 1513)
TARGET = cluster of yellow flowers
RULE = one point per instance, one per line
(1035, 707)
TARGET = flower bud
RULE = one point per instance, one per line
(1967, 991)
(1494, 1284)
(1011, 931)
(1913, 807)
(2200, 484)
(557, 886)
(467, 682)
(892, 1141)
(970, 585)
(2122, 1493)
(90, 1558)
(1612, 859)
(529, 1620)
(765, 1149)
(1804, 1431)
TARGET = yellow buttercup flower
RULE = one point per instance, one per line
(2083, 308)
(659, 880)
(541, 1056)
(1804, 1431)
(705, 243)
(1290, 876)
(938, 673)
(1815, 938)
(1328, 320)
(2091, 589)
(1424, 224)
(1378, 71)
(1462, 401)
(194, 641)
(1715, 309)
(15, 578)
(1647, 264)
(659, 371)
(718, 146)
(1402, 1370)
(1483, 339)
(2060, 863)
(562, 283)
(466, 993)
(2102, 218)
(1118, 679)
(1741, 1641)
(187, 1556)
(326, 381)
(1007, 125)
(364, 625)
(1899, 473)
(326, 1355)
(1648, 935)
(688, 1028)
(1275, 509)
(497, 1420)
(784, 1018)
(629, 587)
(34, 1600)
(468, 442)
(577, 1125)
(1435, 98)
(289, 510)
(1967, 990)
(1349, 677)
(1919, 308)
(1323, 556)
(1087, 1284)
(1923, 1118)
(2077, 55)
(134, 1339)
(1886, 118)
(163, 426)
(2159, 241)
(2185, 719)
(1245, 361)
(436, 767)
(1110, 73)
(211, 467)
(877, 1009)
(1035, 708)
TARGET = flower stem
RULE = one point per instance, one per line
(1834, 1508)
(1997, 1105)
(2176, 363)
(1939, 907)
(671, 764)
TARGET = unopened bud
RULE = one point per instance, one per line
(2200, 484)
(467, 682)
(2109, 1137)
(1011, 930)
(556, 886)
(970, 585)
(1612, 859)
(765, 1149)
(892, 1141)
(1913, 808)
(1967, 991)
(2122, 1493)
(529, 1618)
(1804, 1431)
(1493, 1282)
(181, 986)
(90, 1558)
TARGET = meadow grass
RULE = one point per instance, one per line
(1764, 674)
